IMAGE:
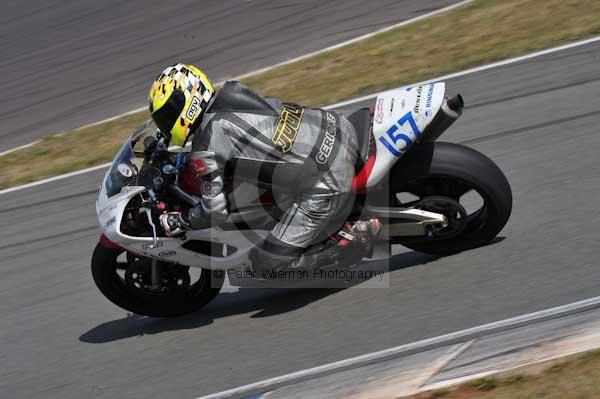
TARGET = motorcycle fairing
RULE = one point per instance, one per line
(400, 117)
(110, 210)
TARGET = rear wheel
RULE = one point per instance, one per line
(459, 182)
(128, 284)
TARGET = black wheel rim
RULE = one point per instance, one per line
(456, 189)
(177, 283)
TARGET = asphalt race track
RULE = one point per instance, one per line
(68, 63)
(537, 119)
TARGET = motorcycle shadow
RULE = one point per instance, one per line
(264, 302)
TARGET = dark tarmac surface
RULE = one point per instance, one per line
(538, 119)
(67, 63)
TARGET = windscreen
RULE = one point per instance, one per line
(128, 161)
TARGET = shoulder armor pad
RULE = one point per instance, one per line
(235, 97)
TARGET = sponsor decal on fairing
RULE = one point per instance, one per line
(379, 111)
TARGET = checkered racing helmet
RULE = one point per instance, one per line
(178, 99)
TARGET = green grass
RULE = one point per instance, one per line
(485, 31)
(482, 32)
(65, 153)
(575, 376)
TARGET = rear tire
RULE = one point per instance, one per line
(113, 286)
(446, 169)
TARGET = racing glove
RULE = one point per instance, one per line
(173, 224)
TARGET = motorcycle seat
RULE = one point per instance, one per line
(361, 120)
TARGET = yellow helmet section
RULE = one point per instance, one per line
(178, 98)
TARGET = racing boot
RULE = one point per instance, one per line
(344, 248)
(361, 233)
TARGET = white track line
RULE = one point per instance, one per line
(467, 334)
(261, 70)
(363, 98)
(358, 39)
(480, 68)
(51, 179)
(19, 147)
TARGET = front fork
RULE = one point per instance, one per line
(155, 275)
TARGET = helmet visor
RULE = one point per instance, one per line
(166, 116)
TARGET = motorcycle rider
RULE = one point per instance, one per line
(307, 155)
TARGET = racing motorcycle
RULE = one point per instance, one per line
(434, 197)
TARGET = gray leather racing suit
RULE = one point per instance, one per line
(307, 155)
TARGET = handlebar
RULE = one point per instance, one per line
(178, 192)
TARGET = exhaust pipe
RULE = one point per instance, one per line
(456, 104)
(450, 111)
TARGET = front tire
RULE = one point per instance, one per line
(438, 170)
(170, 303)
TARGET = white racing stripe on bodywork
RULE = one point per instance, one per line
(403, 350)
(352, 101)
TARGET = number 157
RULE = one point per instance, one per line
(394, 135)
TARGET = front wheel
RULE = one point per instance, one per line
(463, 184)
(129, 284)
